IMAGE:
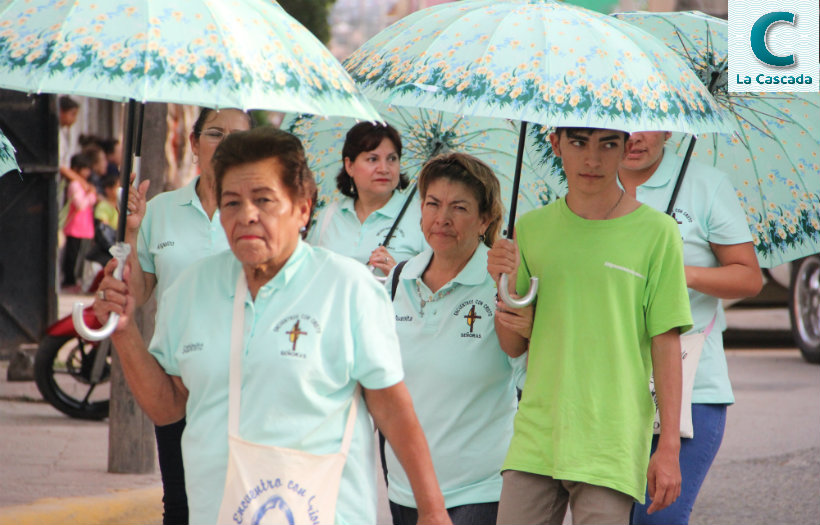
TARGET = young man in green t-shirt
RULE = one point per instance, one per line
(611, 306)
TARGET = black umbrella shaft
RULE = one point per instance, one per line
(138, 129)
(519, 160)
(127, 164)
(681, 174)
(401, 214)
(689, 150)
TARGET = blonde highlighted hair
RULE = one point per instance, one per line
(475, 175)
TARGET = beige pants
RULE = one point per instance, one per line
(534, 499)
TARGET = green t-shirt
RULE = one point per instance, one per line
(606, 288)
(107, 213)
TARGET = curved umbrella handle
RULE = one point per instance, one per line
(504, 292)
(377, 277)
(120, 252)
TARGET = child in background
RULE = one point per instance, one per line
(106, 217)
(106, 209)
(79, 224)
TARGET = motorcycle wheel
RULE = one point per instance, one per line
(62, 371)
(804, 307)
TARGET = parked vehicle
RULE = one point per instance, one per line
(804, 306)
(70, 371)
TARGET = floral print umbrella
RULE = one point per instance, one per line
(7, 160)
(538, 61)
(424, 134)
(248, 54)
(773, 160)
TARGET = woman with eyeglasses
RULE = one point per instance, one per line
(168, 234)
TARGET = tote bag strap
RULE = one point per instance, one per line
(235, 370)
(711, 325)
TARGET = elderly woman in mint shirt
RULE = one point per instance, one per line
(720, 263)
(369, 181)
(461, 381)
(317, 326)
(171, 232)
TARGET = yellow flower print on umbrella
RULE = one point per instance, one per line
(773, 157)
(206, 52)
(479, 37)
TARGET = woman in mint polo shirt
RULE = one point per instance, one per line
(357, 224)
(461, 382)
(720, 263)
(174, 230)
(313, 329)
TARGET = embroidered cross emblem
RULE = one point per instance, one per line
(294, 333)
(471, 317)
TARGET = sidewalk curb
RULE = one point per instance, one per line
(122, 507)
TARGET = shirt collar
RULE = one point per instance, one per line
(666, 171)
(390, 210)
(474, 273)
(187, 194)
(286, 274)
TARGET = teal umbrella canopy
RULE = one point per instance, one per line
(426, 133)
(248, 54)
(8, 162)
(773, 159)
(538, 61)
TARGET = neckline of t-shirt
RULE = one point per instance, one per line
(605, 223)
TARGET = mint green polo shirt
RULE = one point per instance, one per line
(461, 382)
(174, 233)
(344, 234)
(296, 391)
(707, 211)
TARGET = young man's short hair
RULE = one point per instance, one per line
(562, 129)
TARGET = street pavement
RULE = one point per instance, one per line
(55, 468)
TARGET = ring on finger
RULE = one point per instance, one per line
(101, 294)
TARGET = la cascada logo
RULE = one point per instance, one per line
(773, 45)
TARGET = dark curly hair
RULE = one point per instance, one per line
(363, 137)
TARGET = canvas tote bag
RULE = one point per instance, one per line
(274, 485)
(691, 347)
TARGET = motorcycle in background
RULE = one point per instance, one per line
(71, 372)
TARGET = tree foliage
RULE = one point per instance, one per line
(312, 14)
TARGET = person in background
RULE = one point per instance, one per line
(369, 182)
(107, 208)
(461, 381)
(315, 329)
(168, 234)
(99, 163)
(68, 111)
(720, 263)
(79, 223)
(113, 154)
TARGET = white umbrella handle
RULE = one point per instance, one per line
(377, 277)
(504, 292)
(120, 252)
